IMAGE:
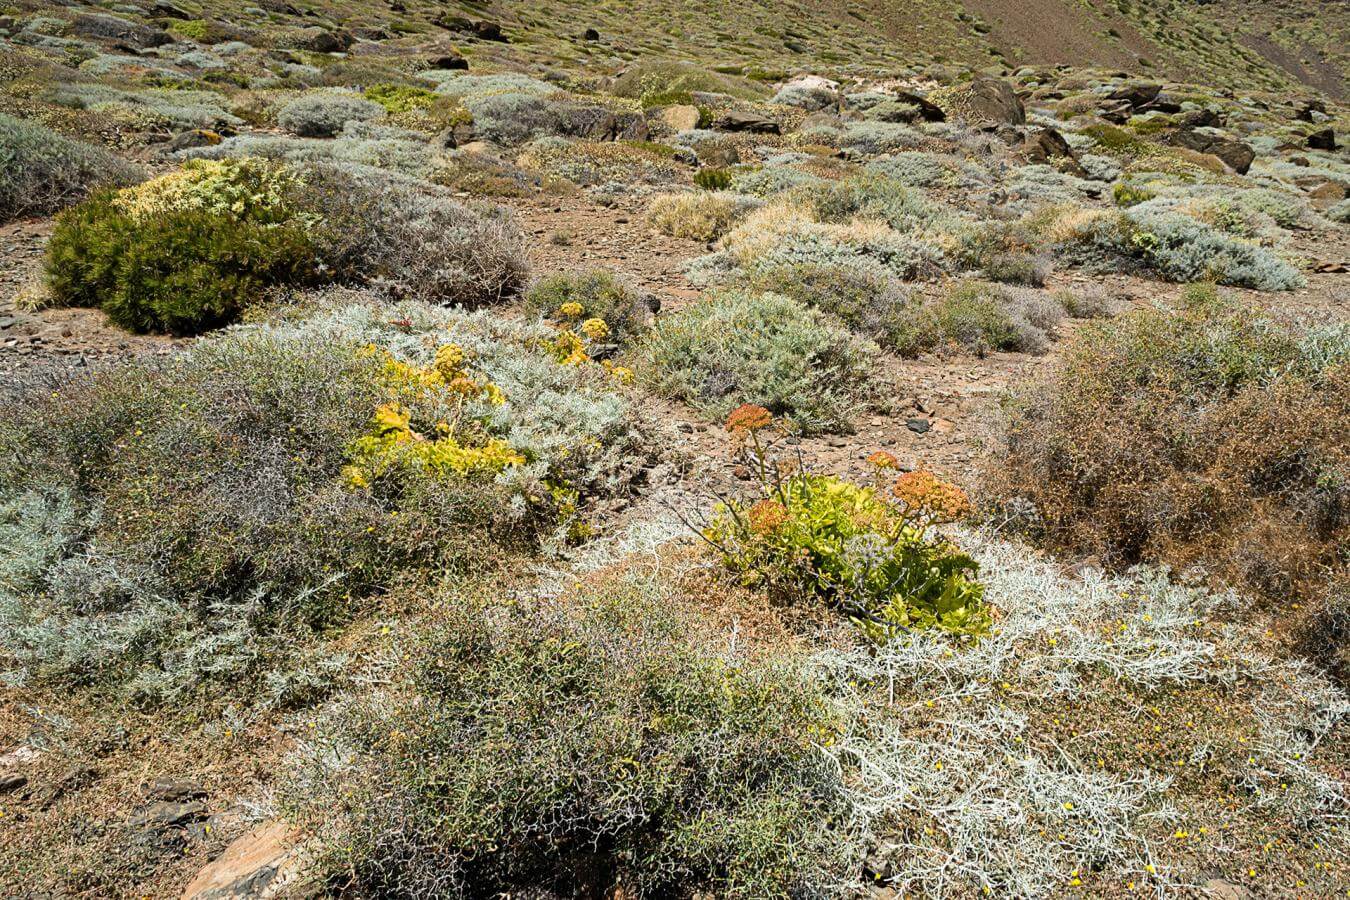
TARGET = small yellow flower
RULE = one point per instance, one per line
(595, 329)
(570, 310)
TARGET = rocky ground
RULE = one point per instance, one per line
(185, 807)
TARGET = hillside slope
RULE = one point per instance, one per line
(1233, 43)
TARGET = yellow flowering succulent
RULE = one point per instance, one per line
(595, 329)
(447, 372)
(571, 310)
(569, 349)
(390, 443)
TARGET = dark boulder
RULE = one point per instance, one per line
(167, 10)
(990, 101)
(1307, 108)
(928, 111)
(1137, 95)
(321, 40)
(451, 61)
(482, 29)
(1047, 146)
(1200, 118)
(1322, 140)
(590, 34)
(1234, 154)
(456, 135)
(489, 31)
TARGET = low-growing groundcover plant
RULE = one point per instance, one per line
(1108, 736)
(193, 249)
(970, 316)
(42, 171)
(1205, 436)
(868, 552)
(700, 215)
(735, 347)
(194, 525)
(606, 738)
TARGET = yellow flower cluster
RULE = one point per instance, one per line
(391, 442)
(569, 349)
(449, 372)
(621, 374)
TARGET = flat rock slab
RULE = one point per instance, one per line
(259, 865)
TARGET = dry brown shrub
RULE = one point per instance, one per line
(1203, 439)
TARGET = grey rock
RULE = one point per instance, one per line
(743, 120)
(131, 34)
(175, 790)
(189, 140)
(165, 814)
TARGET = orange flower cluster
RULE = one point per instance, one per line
(884, 460)
(766, 516)
(923, 493)
(748, 418)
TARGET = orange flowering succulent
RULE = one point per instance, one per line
(884, 460)
(766, 516)
(748, 418)
(925, 495)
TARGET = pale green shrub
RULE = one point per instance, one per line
(737, 347)
(188, 528)
(700, 216)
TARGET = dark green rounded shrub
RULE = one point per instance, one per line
(185, 252)
(183, 272)
(713, 179)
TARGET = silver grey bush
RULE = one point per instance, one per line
(42, 171)
(324, 114)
